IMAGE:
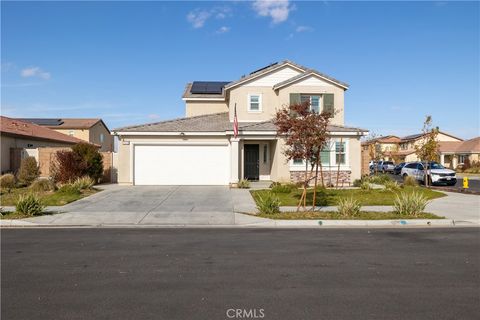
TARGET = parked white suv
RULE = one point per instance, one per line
(437, 174)
(385, 166)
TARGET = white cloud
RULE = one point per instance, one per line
(304, 29)
(223, 29)
(278, 10)
(198, 17)
(35, 72)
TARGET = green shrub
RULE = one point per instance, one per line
(69, 188)
(42, 185)
(410, 203)
(392, 186)
(357, 183)
(29, 205)
(348, 207)
(410, 181)
(380, 178)
(243, 184)
(92, 159)
(283, 188)
(7, 181)
(274, 184)
(268, 203)
(84, 183)
(365, 185)
(28, 171)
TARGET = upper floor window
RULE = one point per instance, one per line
(254, 103)
(313, 100)
(102, 137)
(318, 103)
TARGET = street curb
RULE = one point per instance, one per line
(320, 224)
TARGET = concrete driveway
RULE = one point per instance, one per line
(156, 205)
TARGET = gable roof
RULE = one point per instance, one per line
(306, 74)
(419, 135)
(217, 122)
(65, 123)
(263, 71)
(382, 139)
(30, 130)
(468, 146)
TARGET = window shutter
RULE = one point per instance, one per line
(328, 104)
(294, 98)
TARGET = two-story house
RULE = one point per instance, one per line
(87, 129)
(201, 149)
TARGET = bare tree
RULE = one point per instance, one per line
(427, 148)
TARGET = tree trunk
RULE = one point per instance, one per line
(304, 193)
(321, 174)
(315, 188)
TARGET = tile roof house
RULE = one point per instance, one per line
(201, 149)
(87, 129)
(17, 136)
(454, 153)
(403, 149)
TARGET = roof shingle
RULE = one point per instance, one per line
(217, 122)
(31, 130)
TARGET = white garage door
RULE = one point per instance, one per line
(181, 164)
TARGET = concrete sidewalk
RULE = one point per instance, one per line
(457, 208)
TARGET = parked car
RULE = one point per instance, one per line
(437, 174)
(385, 166)
(372, 165)
(398, 168)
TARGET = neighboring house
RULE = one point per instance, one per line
(402, 149)
(201, 149)
(454, 153)
(91, 130)
(20, 139)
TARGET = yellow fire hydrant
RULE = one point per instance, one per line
(465, 182)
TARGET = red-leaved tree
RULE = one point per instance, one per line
(305, 135)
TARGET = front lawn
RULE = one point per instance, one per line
(332, 215)
(48, 198)
(329, 197)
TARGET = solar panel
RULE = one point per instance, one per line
(271, 64)
(44, 122)
(208, 87)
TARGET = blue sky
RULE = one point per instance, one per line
(128, 62)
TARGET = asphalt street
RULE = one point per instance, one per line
(473, 184)
(271, 274)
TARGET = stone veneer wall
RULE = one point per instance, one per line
(329, 177)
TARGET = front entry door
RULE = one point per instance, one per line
(251, 160)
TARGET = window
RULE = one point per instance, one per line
(102, 137)
(265, 155)
(340, 152)
(411, 166)
(462, 158)
(313, 100)
(297, 162)
(254, 103)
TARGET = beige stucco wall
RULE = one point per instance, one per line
(96, 131)
(92, 135)
(82, 134)
(124, 164)
(7, 142)
(355, 157)
(275, 100)
(197, 108)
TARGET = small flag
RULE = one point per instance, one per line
(235, 122)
